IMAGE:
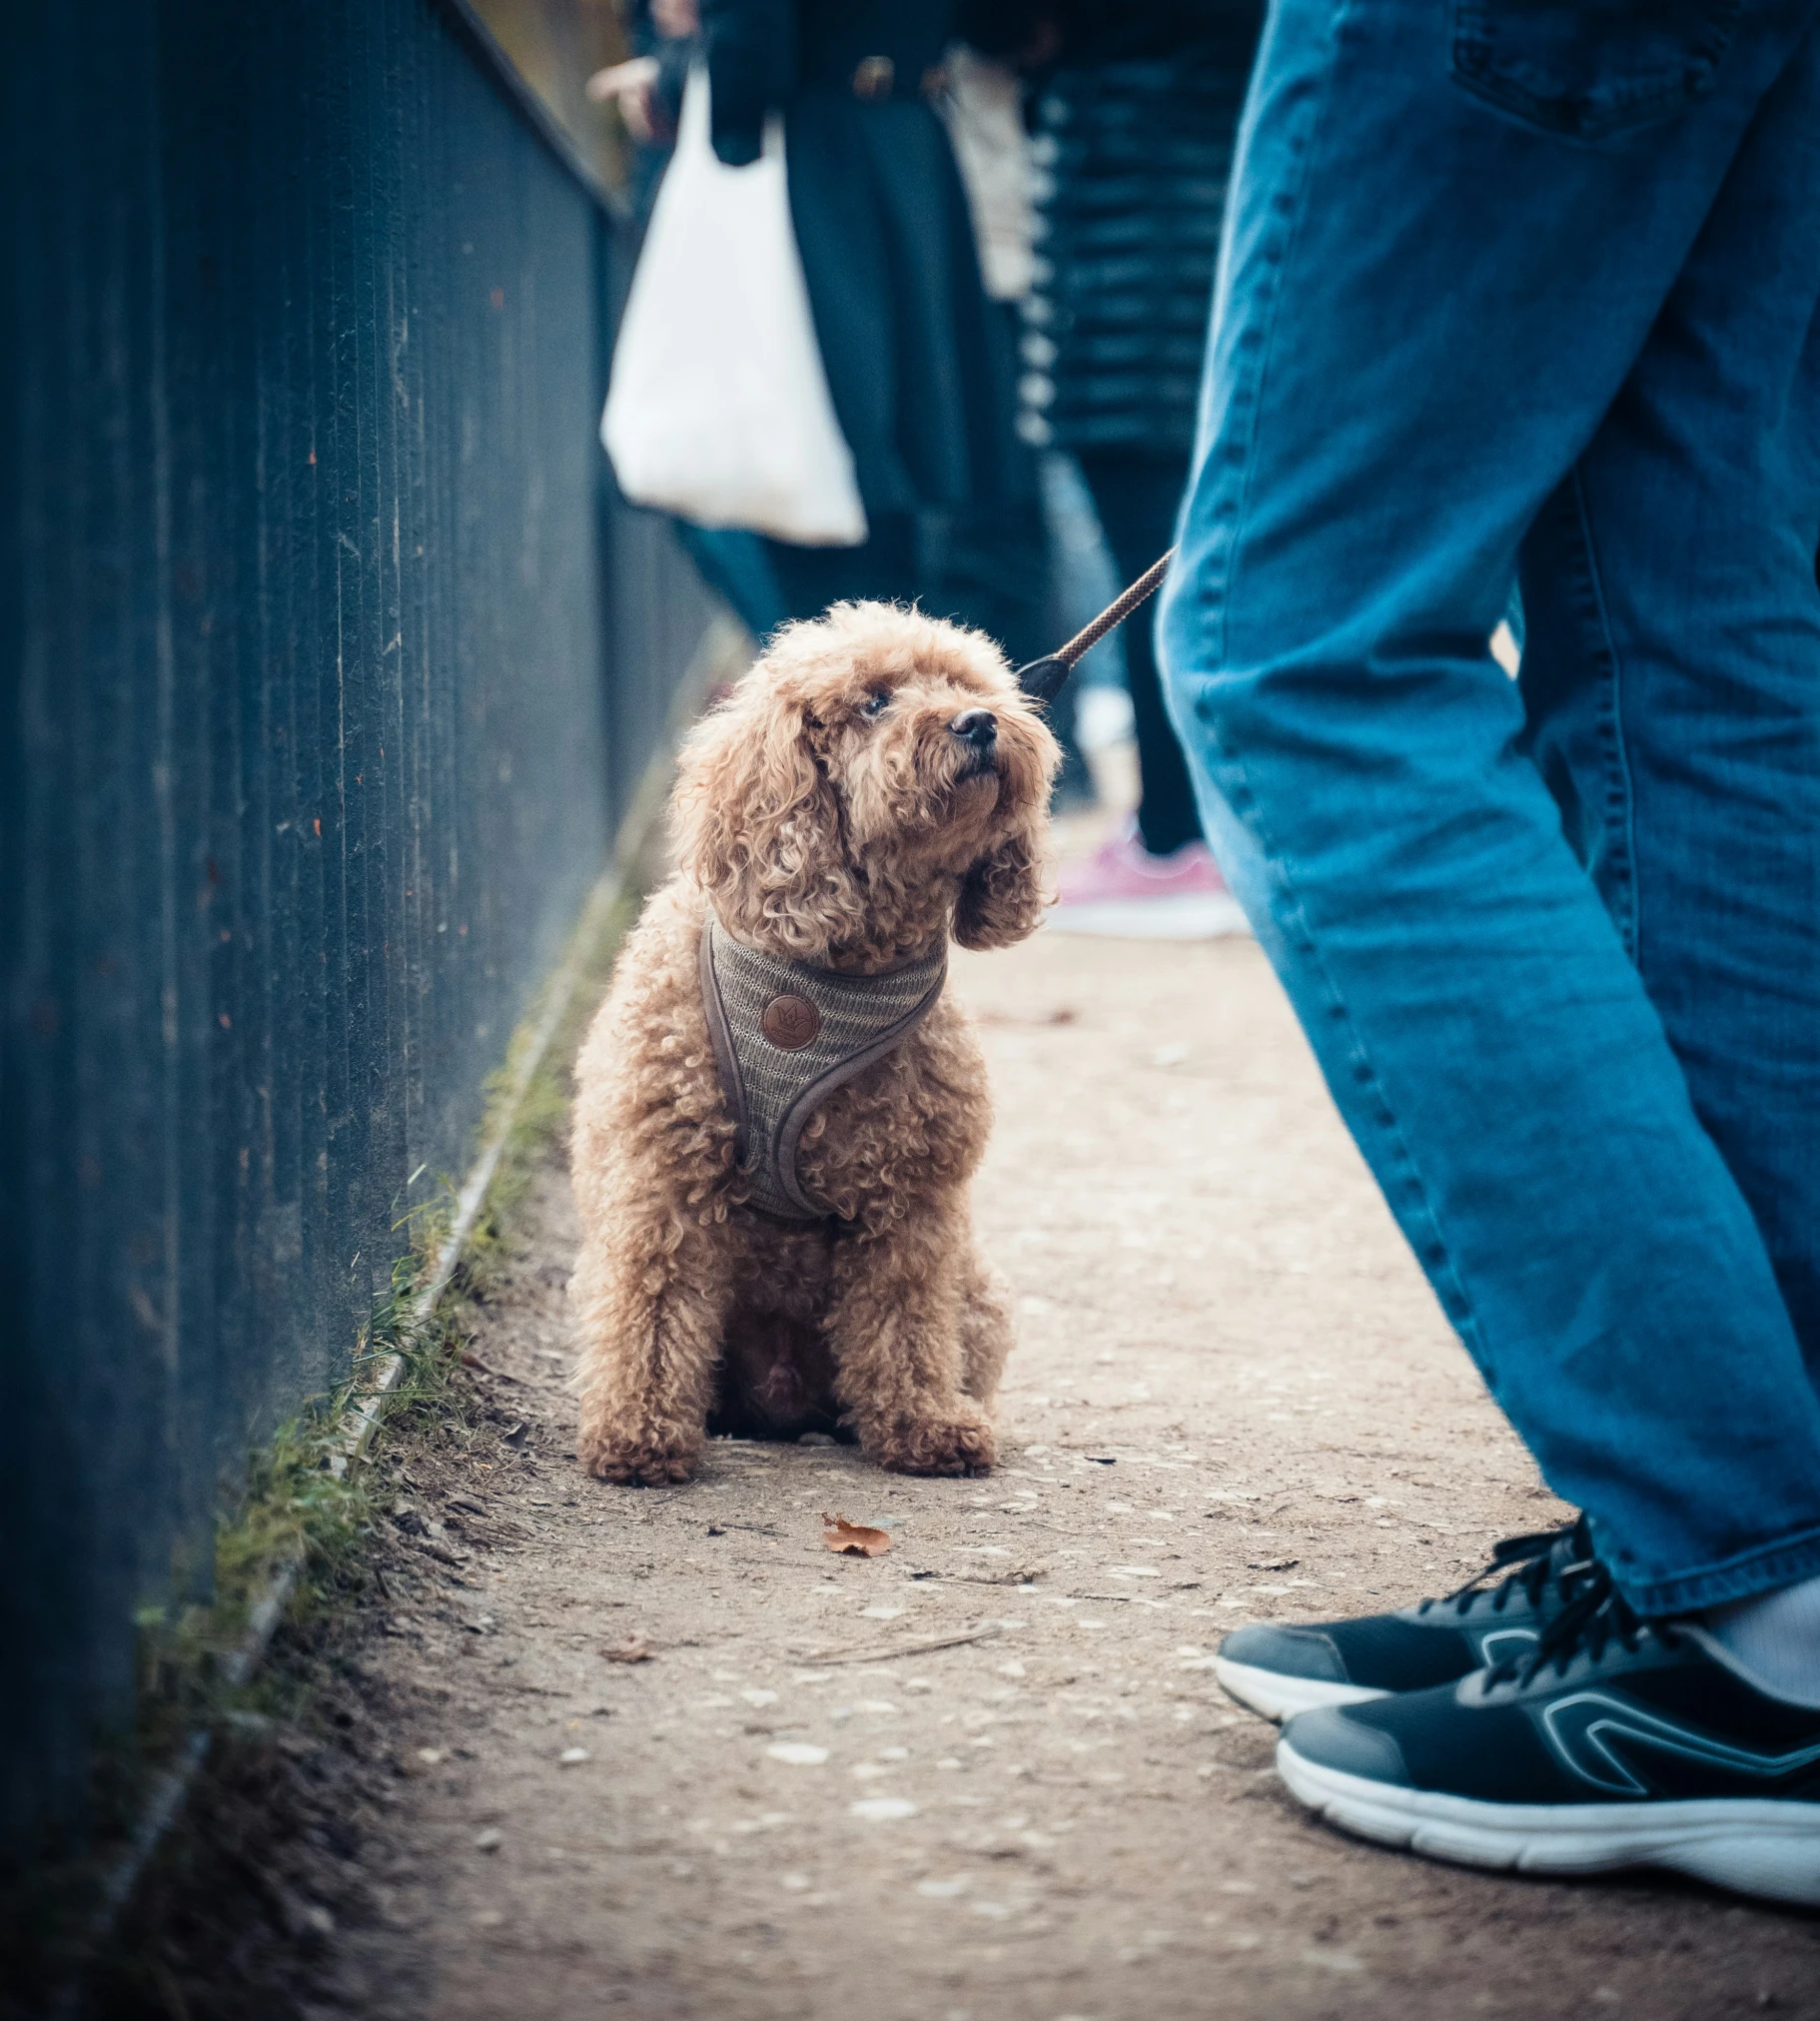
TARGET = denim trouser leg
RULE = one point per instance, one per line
(1440, 320)
(1673, 685)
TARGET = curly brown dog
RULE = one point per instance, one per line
(874, 785)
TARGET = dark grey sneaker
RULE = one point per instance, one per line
(1615, 1742)
(1281, 1670)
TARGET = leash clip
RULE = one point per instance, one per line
(1043, 680)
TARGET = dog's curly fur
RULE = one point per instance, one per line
(830, 814)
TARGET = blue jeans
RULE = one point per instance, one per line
(1520, 290)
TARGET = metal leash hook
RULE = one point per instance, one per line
(1043, 678)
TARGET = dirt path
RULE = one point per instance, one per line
(1233, 1398)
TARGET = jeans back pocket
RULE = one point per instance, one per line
(1588, 68)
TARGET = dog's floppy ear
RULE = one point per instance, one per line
(1002, 900)
(759, 827)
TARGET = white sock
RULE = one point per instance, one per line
(1776, 1638)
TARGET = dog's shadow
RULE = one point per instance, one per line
(777, 1381)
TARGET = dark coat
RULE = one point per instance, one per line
(1134, 140)
(919, 367)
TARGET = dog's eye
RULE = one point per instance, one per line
(876, 704)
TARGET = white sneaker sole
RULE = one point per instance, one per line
(1209, 916)
(1279, 1696)
(1754, 1846)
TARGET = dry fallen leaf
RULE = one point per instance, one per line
(635, 1649)
(854, 1539)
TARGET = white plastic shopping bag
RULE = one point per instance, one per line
(718, 408)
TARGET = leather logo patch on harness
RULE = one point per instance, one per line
(790, 1023)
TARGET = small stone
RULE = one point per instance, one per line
(571, 1757)
(882, 1809)
(489, 1840)
(799, 1754)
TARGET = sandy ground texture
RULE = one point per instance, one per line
(987, 1775)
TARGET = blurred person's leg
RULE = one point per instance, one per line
(989, 568)
(1427, 304)
(1153, 877)
(1136, 495)
(883, 566)
(737, 565)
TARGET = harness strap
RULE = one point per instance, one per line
(786, 1035)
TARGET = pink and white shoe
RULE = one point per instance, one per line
(1126, 893)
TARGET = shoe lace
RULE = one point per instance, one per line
(1527, 1565)
(1595, 1616)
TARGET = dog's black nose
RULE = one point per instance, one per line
(977, 726)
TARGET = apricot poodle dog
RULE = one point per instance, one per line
(875, 784)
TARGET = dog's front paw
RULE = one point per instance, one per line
(651, 1462)
(946, 1442)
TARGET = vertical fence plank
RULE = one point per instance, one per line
(330, 662)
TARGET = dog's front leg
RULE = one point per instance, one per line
(651, 1294)
(894, 1327)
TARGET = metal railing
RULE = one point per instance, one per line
(330, 664)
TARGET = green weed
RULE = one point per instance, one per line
(302, 1513)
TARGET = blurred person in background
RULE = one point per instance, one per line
(920, 366)
(647, 89)
(993, 565)
(646, 92)
(1136, 110)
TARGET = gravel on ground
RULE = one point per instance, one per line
(661, 1753)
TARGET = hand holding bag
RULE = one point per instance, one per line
(718, 408)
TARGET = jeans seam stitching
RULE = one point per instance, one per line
(1275, 259)
(1295, 918)
(1800, 1549)
(1617, 814)
(1296, 925)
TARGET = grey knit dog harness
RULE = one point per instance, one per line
(786, 1036)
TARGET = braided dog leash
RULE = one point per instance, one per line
(1042, 679)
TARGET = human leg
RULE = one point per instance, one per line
(882, 566)
(1137, 494)
(1672, 677)
(1401, 376)
(737, 565)
(1153, 877)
